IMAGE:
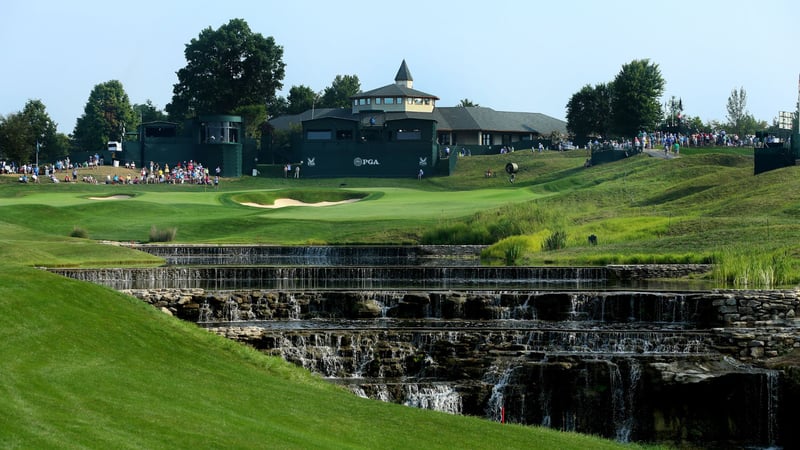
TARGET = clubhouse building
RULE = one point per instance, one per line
(396, 131)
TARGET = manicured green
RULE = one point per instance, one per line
(86, 367)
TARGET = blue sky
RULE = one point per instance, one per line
(509, 55)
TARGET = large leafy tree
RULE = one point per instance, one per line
(106, 117)
(22, 132)
(301, 98)
(588, 112)
(635, 94)
(227, 68)
(338, 94)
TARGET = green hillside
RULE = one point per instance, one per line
(86, 367)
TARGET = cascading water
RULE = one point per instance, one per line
(623, 397)
(495, 407)
(230, 311)
(549, 346)
(205, 314)
(438, 397)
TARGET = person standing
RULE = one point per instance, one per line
(420, 174)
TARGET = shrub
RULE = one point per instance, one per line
(512, 253)
(79, 232)
(556, 241)
(162, 235)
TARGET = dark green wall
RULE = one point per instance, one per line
(368, 151)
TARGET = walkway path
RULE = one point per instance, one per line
(661, 154)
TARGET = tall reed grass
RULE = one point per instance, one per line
(753, 268)
(162, 234)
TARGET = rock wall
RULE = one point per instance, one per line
(749, 325)
(655, 271)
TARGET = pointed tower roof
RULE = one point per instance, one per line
(404, 75)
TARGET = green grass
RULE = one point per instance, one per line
(86, 367)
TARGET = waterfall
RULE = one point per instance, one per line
(230, 311)
(363, 353)
(496, 403)
(438, 397)
(328, 354)
(293, 308)
(622, 398)
(359, 391)
(206, 314)
(772, 394)
(382, 393)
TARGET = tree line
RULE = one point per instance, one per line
(233, 70)
(629, 104)
(230, 70)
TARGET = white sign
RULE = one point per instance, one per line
(358, 162)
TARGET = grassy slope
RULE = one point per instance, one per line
(85, 367)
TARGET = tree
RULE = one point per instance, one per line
(15, 137)
(740, 121)
(465, 102)
(635, 97)
(21, 132)
(106, 117)
(254, 117)
(148, 112)
(338, 94)
(588, 112)
(301, 98)
(278, 106)
(225, 69)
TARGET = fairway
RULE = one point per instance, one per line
(384, 203)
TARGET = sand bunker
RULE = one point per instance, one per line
(283, 202)
(112, 197)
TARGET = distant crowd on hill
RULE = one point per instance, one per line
(665, 141)
(186, 172)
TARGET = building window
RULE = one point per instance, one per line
(427, 101)
(417, 101)
(399, 100)
(318, 135)
(389, 100)
(486, 138)
(409, 135)
(444, 138)
(378, 101)
(222, 132)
